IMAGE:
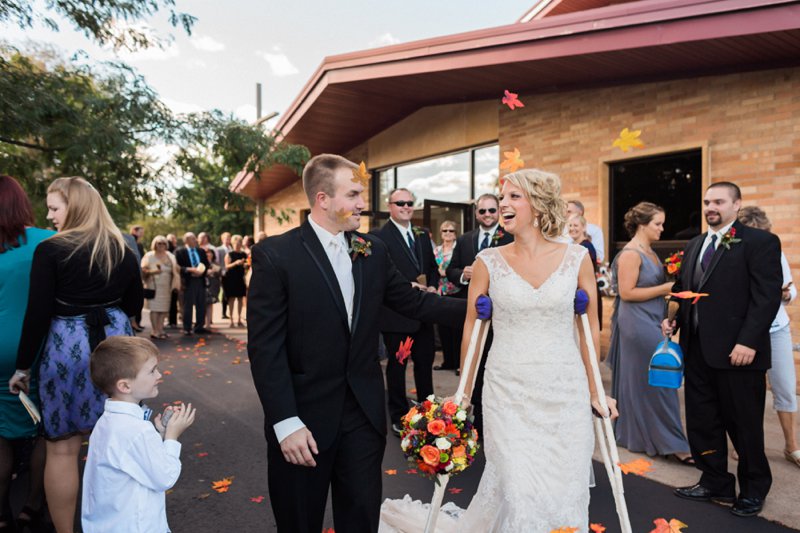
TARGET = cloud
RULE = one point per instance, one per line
(181, 107)
(207, 44)
(246, 112)
(196, 64)
(169, 50)
(279, 63)
(384, 39)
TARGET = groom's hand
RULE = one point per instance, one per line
(298, 447)
(742, 355)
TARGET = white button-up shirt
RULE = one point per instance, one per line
(128, 471)
(721, 233)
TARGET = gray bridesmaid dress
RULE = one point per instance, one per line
(649, 417)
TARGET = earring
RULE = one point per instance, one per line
(536, 222)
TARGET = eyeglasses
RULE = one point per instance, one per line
(448, 231)
(492, 210)
(402, 203)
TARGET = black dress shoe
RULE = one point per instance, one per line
(202, 331)
(747, 506)
(699, 493)
(397, 429)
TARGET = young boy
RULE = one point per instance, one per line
(130, 467)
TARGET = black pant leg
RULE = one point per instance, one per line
(395, 377)
(173, 309)
(705, 427)
(743, 394)
(356, 478)
(298, 493)
(200, 303)
(188, 303)
(422, 353)
(450, 353)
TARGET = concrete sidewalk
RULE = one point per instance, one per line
(781, 505)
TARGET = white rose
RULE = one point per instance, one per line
(449, 467)
(405, 444)
(415, 418)
(431, 398)
(461, 416)
(443, 444)
(471, 443)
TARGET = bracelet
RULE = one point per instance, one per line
(21, 374)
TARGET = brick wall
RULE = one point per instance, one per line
(750, 123)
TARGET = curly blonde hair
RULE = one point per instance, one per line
(543, 191)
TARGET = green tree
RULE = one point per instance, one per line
(61, 118)
(106, 21)
(215, 147)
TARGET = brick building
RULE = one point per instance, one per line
(714, 87)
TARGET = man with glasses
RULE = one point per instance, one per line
(411, 251)
(488, 234)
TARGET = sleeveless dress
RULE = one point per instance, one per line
(650, 417)
(538, 436)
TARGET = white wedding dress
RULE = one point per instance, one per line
(538, 437)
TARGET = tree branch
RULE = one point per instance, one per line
(33, 146)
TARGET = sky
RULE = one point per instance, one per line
(238, 43)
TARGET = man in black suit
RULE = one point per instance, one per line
(314, 301)
(488, 234)
(193, 264)
(725, 339)
(411, 251)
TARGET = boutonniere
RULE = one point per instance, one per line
(359, 246)
(418, 231)
(729, 238)
(497, 236)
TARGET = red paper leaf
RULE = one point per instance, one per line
(202, 454)
(404, 351)
(510, 99)
(455, 490)
(257, 499)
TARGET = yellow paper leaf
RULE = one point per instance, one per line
(361, 175)
(342, 215)
(628, 139)
(512, 161)
(673, 526)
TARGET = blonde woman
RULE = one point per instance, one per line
(161, 275)
(235, 287)
(85, 283)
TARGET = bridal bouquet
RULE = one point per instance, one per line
(438, 438)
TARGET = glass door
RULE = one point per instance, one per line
(434, 212)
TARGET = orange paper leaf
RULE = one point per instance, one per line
(597, 528)
(628, 139)
(639, 467)
(511, 100)
(391, 472)
(222, 485)
(685, 295)
(342, 215)
(404, 351)
(512, 161)
(361, 175)
(673, 526)
(565, 530)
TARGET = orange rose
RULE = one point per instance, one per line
(449, 408)
(430, 455)
(459, 451)
(436, 427)
(410, 414)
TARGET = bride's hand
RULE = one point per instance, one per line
(599, 411)
(464, 401)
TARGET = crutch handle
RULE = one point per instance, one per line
(581, 302)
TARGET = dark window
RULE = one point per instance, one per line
(672, 181)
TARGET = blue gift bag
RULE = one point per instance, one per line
(666, 366)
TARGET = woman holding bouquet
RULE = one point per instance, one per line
(85, 283)
(650, 421)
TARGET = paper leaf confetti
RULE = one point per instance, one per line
(455, 490)
(639, 467)
(257, 499)
(628, 139)
(361, 175)
(597, 528)
(222, 485)
(390, 472)
(412, 471)
(202, 454)
(203, 496)
(512, 161)
(686, 295)
(673, 526)
(565, 530)
(404, 351)
(510, 99)
(342, 216)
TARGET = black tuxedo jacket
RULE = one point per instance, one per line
(303, 355)
(410, 266)
(744, 292)
(464, 255)
(184, 262)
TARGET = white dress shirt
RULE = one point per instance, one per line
(128, 471)
(481, 235)
(336, 248)
(405, 232)
(595, 232)
(707, 240)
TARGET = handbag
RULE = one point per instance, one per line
(666, 365)
(149, 294)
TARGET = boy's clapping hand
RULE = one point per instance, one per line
(182, 417)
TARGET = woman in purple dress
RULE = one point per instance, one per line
(85, 284)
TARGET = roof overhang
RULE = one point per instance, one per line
(352, 97)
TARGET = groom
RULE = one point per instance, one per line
(315, 297)
(725, 337)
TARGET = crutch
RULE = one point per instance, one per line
(603, 428)
(477, 340)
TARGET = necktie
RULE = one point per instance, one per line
(410, 240)
(485, 241)
(343, 268)
(708, 254)
(193, 257)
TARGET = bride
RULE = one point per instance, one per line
(538, 390)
